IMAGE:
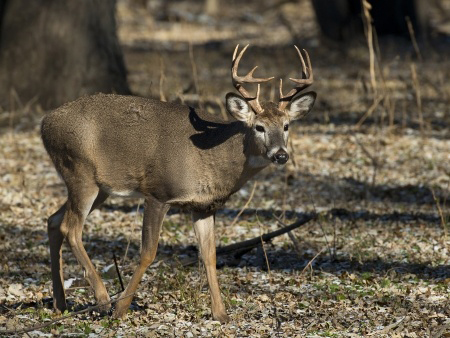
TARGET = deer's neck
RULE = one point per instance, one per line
(228, 165)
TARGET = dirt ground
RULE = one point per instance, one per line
(373, 163)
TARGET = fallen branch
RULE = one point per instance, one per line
(254, 242)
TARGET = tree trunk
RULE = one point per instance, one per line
(53, 51)
(341, 20)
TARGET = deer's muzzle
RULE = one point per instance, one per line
(280, 157)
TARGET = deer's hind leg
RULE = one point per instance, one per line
(68, 222)
(154, 213)
(56, 237)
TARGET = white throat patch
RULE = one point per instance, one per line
(258, 161)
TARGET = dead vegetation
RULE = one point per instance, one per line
(373, 165)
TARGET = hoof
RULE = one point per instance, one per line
(223, 318)
(104, 309)
(104, 305)
(59, 307)
(120, 311)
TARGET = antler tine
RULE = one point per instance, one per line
(249, 77)
(301, 58)
(302, 82)
(307, 70)
(239, 80)
(281, 89)
(258, 88)
(235, 52)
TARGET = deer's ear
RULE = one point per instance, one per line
(238, 108)
(301, 105)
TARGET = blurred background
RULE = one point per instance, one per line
(52, 52)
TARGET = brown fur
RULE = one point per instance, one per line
(167, 153)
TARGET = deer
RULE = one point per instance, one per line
(171, 155)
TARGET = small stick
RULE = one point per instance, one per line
(418, 97)
(368, 28)
(223, 111)
(290, 234)
(118, 272)
(262, 245)
(413, 38)
(312, 260)
(245, 205)
(162, 77)
(369, 111)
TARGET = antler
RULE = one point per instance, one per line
(302, 82)
(238, 81)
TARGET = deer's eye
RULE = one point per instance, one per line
(260, 128)
(286, 127)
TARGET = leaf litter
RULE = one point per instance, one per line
(374, 263)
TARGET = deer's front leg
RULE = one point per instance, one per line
(204, 230)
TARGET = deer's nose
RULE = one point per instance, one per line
(280, 157)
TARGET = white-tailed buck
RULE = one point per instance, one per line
(169, 154)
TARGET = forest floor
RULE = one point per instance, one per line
(374, 165)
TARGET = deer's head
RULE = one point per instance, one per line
(268, 123)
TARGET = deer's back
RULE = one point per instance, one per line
(138, 144)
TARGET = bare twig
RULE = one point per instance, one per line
(162, 77)
(413, 38)
(223, 111)
(291, 235)
(312, 260)
(368, 29)
(369, 111)
(418, 97)
(118, 272)
(245, 205)
(282, 220)
(262, 245)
